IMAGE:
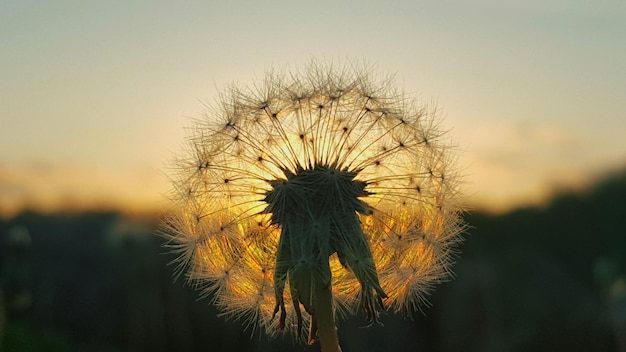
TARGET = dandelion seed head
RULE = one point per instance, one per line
(330, 174)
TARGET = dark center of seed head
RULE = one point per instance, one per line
(321, 189)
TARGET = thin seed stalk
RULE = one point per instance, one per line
(325, 316)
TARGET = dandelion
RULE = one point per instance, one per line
(315, 195)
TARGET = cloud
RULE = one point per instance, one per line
(519, 163)
(56, 187)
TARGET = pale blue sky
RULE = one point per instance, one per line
(94, 95)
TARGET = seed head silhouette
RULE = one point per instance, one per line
(315, 194)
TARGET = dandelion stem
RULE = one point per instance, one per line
(325, 317)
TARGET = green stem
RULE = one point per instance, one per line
(325, 317)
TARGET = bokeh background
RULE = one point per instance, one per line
(94, 98)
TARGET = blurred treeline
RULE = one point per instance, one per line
(540, 279)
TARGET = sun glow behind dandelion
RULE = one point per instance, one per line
(329, 176)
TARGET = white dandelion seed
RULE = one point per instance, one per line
(322, 187)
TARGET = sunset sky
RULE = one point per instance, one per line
(94, 95)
